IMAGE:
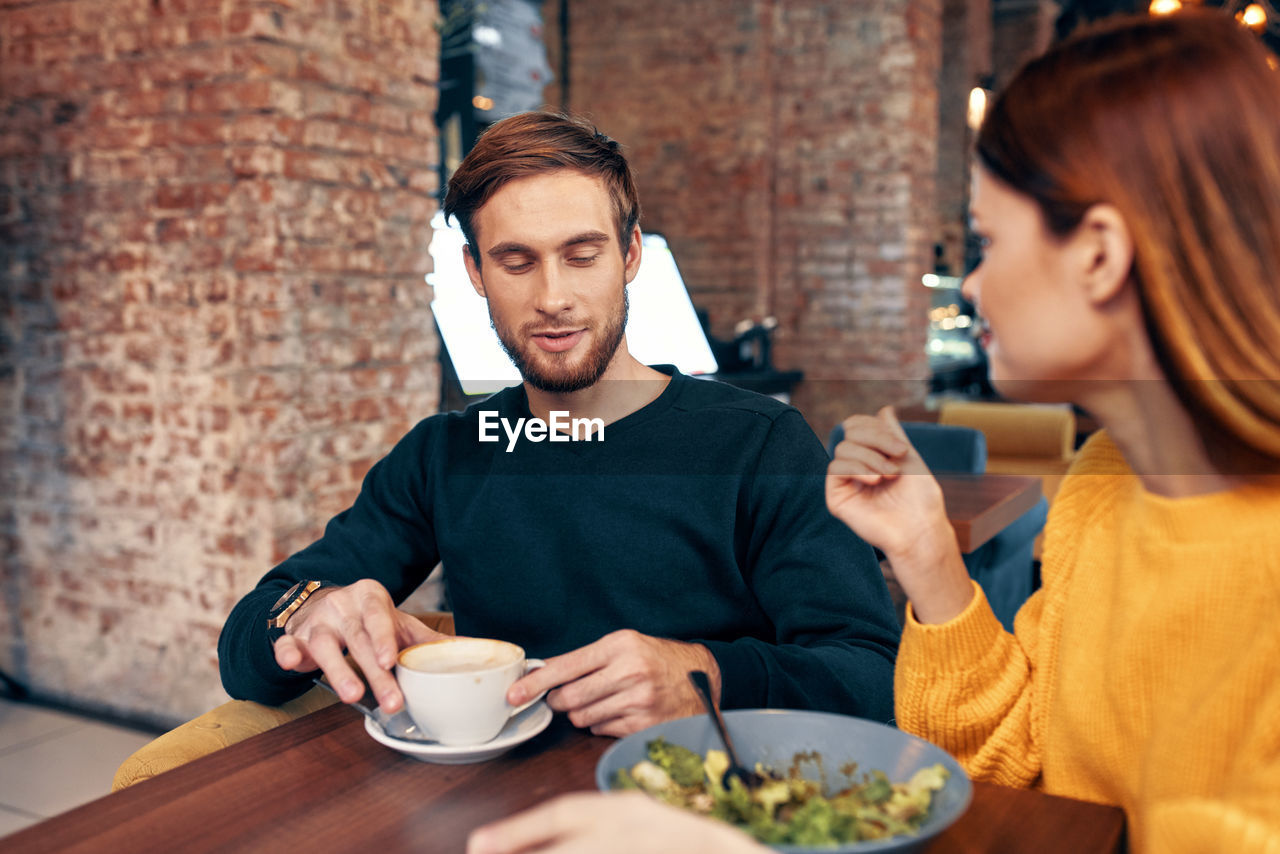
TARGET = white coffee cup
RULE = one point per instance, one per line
(455, 689)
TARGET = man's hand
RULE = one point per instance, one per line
(879, 486)
(622, 683)
(617, 822)
(360, 619)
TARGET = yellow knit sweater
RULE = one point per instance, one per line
(1145, 672)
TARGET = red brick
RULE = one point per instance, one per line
(359, 48)
(264, 59)
(64, 49)
(19, 53)
(148, 102)
(261, 23)
(165, 8)
(260, 258)
(193, 195)
(324, 103)
(424, 182)
(41, 20)
(231, 96)
(204, 29)
(143, 351)
(306, 166)
(199, 257)
(191, 130)
(214, 419)
(407, 149)
(172, 229)
(277, 130)
(175, 196)
(365, 409)
(141, 413)
(212, 288)
(320, 68)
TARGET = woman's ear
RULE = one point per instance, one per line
(1105, 252)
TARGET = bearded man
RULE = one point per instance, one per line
(684, 530)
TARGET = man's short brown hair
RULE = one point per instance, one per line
(536, 143)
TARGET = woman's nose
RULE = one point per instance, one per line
(971, 288)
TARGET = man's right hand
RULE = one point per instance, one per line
(360, 619)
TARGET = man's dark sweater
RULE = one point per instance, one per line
(699, 517)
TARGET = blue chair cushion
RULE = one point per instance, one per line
(947, 448)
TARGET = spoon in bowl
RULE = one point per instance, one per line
(750, 779)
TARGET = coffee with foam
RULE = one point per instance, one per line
(460, 655)
(455, 689)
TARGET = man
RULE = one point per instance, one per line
(626, 523)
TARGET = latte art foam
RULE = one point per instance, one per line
(460, 656)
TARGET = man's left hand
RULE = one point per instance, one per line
(622, 683)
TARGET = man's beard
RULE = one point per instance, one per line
(559, 377)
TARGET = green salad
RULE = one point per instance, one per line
(784, 810)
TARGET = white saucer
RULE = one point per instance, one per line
(521, 728)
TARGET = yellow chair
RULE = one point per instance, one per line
(1022, 438)
(227, 724)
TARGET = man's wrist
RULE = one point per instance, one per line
(290, 603)
(706, 662)
(300, 616)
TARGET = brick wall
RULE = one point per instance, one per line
(213, 232)
(858, 211)
(788, 151)
(966, 63)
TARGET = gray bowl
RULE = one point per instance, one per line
(775, 736)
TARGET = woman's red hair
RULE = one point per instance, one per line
(1175, 121)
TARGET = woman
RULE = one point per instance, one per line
(1128, 196)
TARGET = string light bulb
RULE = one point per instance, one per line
(1260, 16)
(977, 106)
(1254, 17)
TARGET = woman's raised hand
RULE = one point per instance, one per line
(879, 486)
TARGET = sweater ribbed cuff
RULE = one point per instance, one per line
(958, 645)
(742, 676)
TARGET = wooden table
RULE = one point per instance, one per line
(321, 784)
(979, 506)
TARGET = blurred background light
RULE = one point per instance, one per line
(978, 106)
